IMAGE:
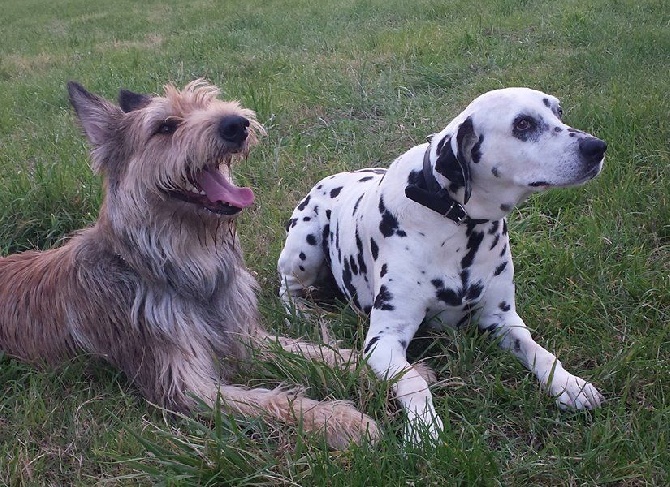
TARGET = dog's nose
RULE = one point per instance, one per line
(592, 149)
(233, 128)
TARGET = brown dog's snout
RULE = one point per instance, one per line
(592, 149)
(233, 129)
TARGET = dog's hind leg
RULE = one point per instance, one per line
(303, 257)
(329, 355)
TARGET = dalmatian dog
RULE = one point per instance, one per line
(426, 240)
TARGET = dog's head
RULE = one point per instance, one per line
(173, 151)
(510, 143)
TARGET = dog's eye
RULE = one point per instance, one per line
(559, 112)
(168, 126)
(524, 124)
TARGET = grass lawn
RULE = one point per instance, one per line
(342, 85)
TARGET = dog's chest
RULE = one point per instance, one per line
(459, 268)
(461, 274)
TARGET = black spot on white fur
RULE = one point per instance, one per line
(476, 152)
(303, 204)
(361, 255)
(356, 205)
(384, 299)
(495, 241)
(353, 265)
(372, 341)
(446, 295)
(374, 249)
(447, 165)
(291, 223)
(492, 327)
(325, 237)
(474, 241)
(383, 270)
(415, 177)
(349, 288)
(388, 225)
(473, 291)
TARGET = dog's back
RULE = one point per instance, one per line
(33, 305)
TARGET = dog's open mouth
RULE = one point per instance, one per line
(213, 191)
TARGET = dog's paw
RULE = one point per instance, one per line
(572, 392)
(344, 425)
(423, 429)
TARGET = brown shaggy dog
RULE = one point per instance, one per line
(158, 286)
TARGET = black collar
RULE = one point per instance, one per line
(426, 191)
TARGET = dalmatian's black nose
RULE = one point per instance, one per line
(233, 128)
(592, 149)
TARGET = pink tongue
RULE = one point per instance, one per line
(217, 188)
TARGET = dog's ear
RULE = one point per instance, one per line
(466, 140)
(456, 167)
(97, 116)
(129, 101)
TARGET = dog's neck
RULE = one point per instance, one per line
(187, 254)
(429, 193)
(482, 205)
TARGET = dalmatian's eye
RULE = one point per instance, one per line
(559, 112)
(524, 124)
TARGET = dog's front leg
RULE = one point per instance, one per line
(385, 350)
(569, 390)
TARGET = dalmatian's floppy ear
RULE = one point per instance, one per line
(456, 167)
